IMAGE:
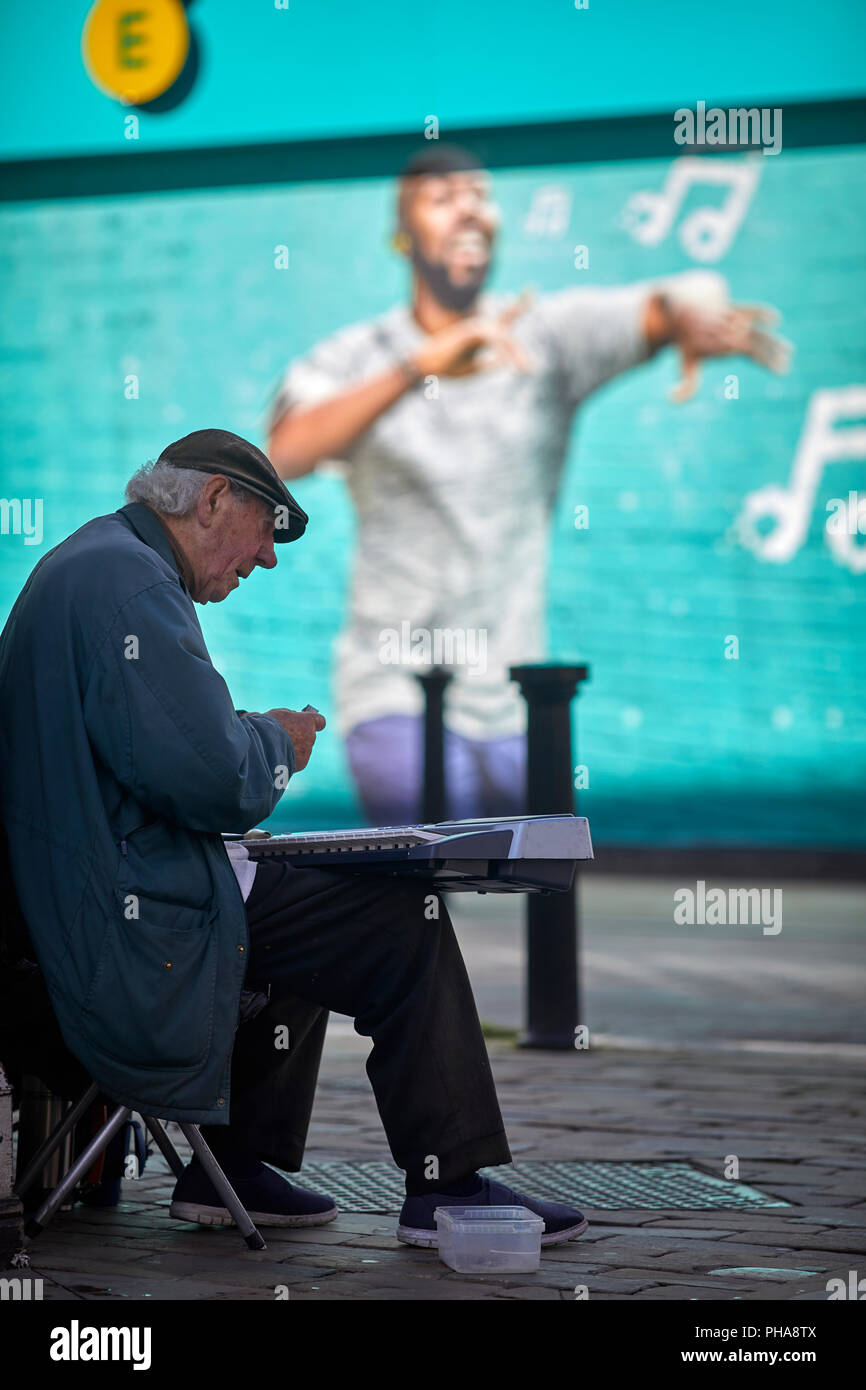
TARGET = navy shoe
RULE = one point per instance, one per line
(269, 1199)
(418, 1223)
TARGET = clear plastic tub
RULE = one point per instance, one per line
(476, 1240)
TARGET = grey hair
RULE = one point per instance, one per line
(175, 491)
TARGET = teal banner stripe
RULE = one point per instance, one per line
(806, 125)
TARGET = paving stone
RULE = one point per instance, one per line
(837, 1218)
(806, 1197)
(587, 1256)
(838, 1163)
(321, 1235)
(664, 1277)
(191, 1266)
(662, 1242)
(745, 1256)
(844, 1183)
(360, 1222)
(679, 1293)
(358, 1242)
(530, 1293)
(738, 1224)
(141, 1288)
(88, 1258)
(311, 1296)
(691, 1232)
(598, 1216)
(827, 1242)
(756, 1174)
(615, 1284)
(88, 1271)
(231, 1295)
(448, 1288)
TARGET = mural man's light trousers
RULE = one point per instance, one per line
(364, 946)
(483, 777)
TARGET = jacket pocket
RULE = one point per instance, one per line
(152, 997)
(165, 863)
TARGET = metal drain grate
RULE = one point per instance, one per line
(378, 1187)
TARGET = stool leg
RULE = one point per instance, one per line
(236, 1210)
(79, 1168)
(54, 1140)
(164, 1144)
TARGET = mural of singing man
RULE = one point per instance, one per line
(450, 416)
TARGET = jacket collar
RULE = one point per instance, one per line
(146, 524)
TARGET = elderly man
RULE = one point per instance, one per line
(123, 761)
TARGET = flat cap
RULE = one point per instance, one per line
(220, 451)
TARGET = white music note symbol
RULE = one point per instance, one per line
(549, 213)
(706, 233)
(790, 508)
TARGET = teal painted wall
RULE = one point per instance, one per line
(681, 744)
(339, 67)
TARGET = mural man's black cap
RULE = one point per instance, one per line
(220, 451)
(441, 159)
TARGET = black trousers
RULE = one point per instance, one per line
(373, 948)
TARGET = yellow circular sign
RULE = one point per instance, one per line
(135, 52)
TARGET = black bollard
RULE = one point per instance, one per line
(434, 801)
(553, 986)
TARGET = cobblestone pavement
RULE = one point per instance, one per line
(794, 1121)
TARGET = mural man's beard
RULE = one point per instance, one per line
(450, 296)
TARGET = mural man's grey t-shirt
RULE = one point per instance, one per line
(453, 487)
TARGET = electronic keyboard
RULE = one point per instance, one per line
(526, 854)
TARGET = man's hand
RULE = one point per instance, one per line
(700, 320)
(700, 333)
(474, 344)
(301, 727)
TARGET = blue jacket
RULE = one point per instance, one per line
(123, 759)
